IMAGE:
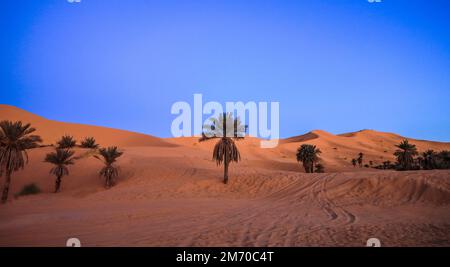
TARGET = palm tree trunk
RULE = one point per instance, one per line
(57, 184)
(312, 167)
(6, 187)
(225, 167)
(107, 182)
(225, 173)
(306, 167)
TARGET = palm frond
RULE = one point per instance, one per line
(224, 126)
(226, 150)
(15, 139)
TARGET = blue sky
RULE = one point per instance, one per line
(336, 65)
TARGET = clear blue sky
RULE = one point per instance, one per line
(340, 66)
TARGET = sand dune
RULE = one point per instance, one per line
(169, 193)
(51, 131)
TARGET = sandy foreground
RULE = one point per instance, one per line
(170, 193)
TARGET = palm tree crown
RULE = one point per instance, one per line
(66, 141)
(89, 142)
(15, 139)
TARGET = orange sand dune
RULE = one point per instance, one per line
(339, 150)
(51, 131)
(170, 193)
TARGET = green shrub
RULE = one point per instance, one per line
(30, 189)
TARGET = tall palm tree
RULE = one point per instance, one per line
(405, 155)
(227, 129)
(308, 155)
(360, 159)
(15, 139)
(61, 158)
(109, 157)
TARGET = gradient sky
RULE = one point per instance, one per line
(336, 65)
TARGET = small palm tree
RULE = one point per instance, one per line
(66, 141)
(360, 159)
(227, 129)
(354, 161)
(320, 168)
(308, 155)
(61, 158)
(89, 142)
(109, 171)
(405, 155)
(15, 139)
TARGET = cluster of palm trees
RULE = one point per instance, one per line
(63, 156)
(309, 156)
(406, 158)
(16, 138)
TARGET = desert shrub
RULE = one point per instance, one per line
(30, 189)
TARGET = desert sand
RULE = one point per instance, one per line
(170, 193)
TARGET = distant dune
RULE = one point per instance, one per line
(339, 150)
(169, 193)
(51, 131)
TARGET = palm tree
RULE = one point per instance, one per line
(15, 139)
(308, 155)
(354, 161)
(89, 142)
(61, 158)
(444, 159)
(109, 171)
(429, 159)
(225, 151)
(360, 159)
(66, 141)
(405, 155)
